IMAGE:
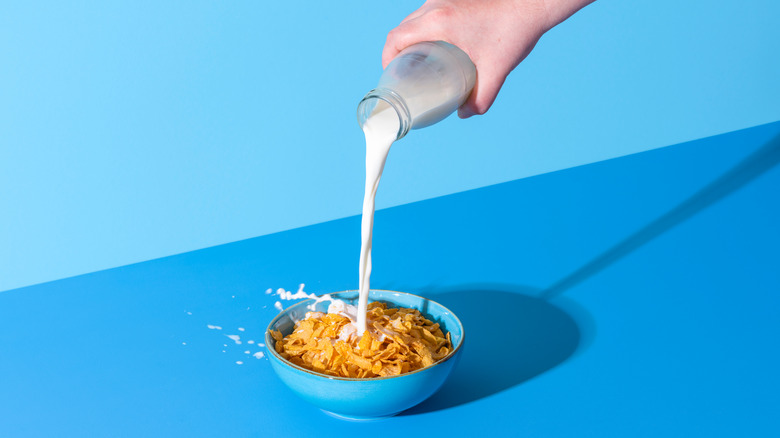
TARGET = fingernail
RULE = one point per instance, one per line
(464, 113)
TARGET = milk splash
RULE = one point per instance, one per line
(381, 130)
(336, 306)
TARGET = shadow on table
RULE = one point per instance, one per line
(754, 165)
(526, 335)
(505, 344)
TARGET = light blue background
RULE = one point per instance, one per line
(134, 131)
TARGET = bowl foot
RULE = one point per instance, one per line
(357, 418)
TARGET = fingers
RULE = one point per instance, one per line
(496, 39)
(469, 108)
(483, 95)
(415, 30)
(424, 24)
(490, 79)
(478, 103)
(414, 14)
(466, 111)
(407, 33)
(396, 37)
(391, 48)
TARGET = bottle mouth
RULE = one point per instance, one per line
(379, 99)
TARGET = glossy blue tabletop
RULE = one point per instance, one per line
(638, 296)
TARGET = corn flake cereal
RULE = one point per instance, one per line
(399, 340)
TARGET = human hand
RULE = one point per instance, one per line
(496, 34)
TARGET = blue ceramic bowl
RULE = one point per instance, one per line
(369, 398)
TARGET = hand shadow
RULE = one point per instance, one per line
(513, 335)
(505, 344)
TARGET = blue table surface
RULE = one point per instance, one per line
(632, 297)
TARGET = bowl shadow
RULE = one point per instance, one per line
(510, 337)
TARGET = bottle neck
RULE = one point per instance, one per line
(379, 99)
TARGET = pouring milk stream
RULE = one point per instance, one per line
(424, 84)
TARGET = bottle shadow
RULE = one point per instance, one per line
(743, 173)
(526, 335)
(505, 345)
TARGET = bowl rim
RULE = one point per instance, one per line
(275, 354)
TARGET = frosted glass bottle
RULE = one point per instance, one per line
(424, 84)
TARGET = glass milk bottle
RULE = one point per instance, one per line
(424, 84)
